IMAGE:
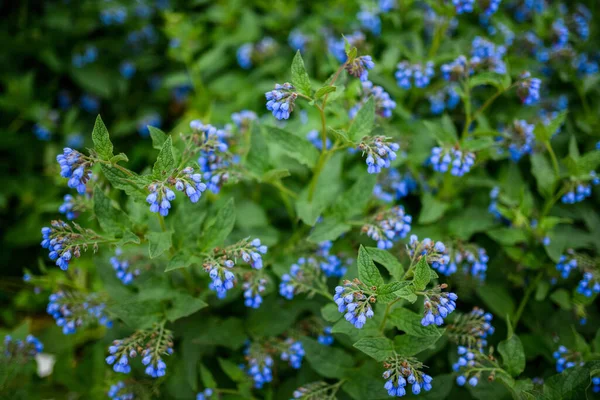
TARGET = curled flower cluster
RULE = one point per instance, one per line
(435, 253)
(72, 310)
(578, 191)
(359, 67)
(529, 88)
(457, 69)
(352, 300)
(17, 350)
(471, 261)
(369, 19)
(567, 263)
(76, 167)
(62, 242)
(456, 161)
(120, 391)
(293, 353)
(222, 279)
(88, 56)
(463, 6)
(588, 285)
(216, 163)
(281, 100)
(186, 181)
(336, 45)
(383, 102)
(519, 139)
(123, 269)
(446, 98)
(380, 153)
(414, 74)
(566, 358)
(401, 371)
(438, 305)
(471, 329)
(325, 338)
(467, 361)
(155, 343)
(260, 367)
(252, 291)
(486, 55)
(70, 207)
(394, 186)
(297, 40)
(388, 226)
(243, 119)
(330, 264)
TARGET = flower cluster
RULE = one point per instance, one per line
(519, 139)
(437, 305)
(567, 263)
(352, 299)
(456, 161)
(155, 343)
(72, 310)
(151, 119)
(529, 88)
(359, 67)
(20, 351)
(88, 56)
(252, 290)
(281, 100)
(380, 152)
(120, 391)
(463, 6)
(41, 132)
(72, 206)
(466, 365)
(124, 271)
(486, 55)
(337, 45)
(127, 69)
(394, 186)
(401, 371)
(457, 69)
(471, 329)
(383, 102)
(260, 366)
(64, 242)
(578, 190)
(369, 19)
(250, 53)
(293, 352)
(471, 261)
(589, 284)
(435, 253)
(215, 161)
(388, 226)
(418, 75)
(161, 195)
(566, 358)
(325, 338)
(331, 264)
(315, 391)
(243, 119)
(446, 98)
(298, 40)
(76, 167)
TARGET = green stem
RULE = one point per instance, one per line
(468, 117)
(524, 300)
(553, 157)
(437, 39)
(385, 316)
(492, 99)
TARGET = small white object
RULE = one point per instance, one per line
(45, 364)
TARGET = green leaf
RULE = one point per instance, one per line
(407, 293)
(589, 161)
(182, 260)
(513, 355)
(158, 243)
(207, 377)
(293, 146)
(340, 135)
(330, 313)
(330, 229)
(556, 123)
(300, 78)
(131, 184)
(542, 290)
(329, 362)
(378, 348)
(119, 157)
(409, 345)
(387, 260)
(324, 90)
(387, 293)
(258, 159)
(165, 163)
(353, 201)
(275, 175)
(367, 271)
(497, 299)
(562, 298)
(112, 220)
(158, 137)
(570, 384)
(543, 172)
(500, 81)
(102, 144)
(410, 322)
(137, 314)
(432, 209)
(232, 370)
(220, 227)
(363, 122)
(183, 305)
(422, 274)
(477, 144)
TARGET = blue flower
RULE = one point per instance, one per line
(69, 207)
(457, 69)
(124, 271)
(120, 391)
(402, 371)
(529, 89)
(72, 310)
(491, 8)
(90, 103)
(453, 160)
(336, 46)
(314, 137)
(463, 6)
(351, 300)
(369, 19)
(394, 186)
(486, 54)
(420, 74)
(379, 151)
(155, 366)
(152, 119)
(41, 132)
(206, 395)
(60, 240)
(243, 119)
(566, 358)
(281, 100)
(221, 276)
(359, 67)
(127, 69)
(252, 291)
(388, 226)
(579, 190)
(589, 284)
(560, 32)
(76, 167)
(18, 351)
(113, 16)
(297, 40)
(294, 353)
(383, 102)
(260, 369)
(438, 305)
(325, 338)
(519, 139)
(244, 55)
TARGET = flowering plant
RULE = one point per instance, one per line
(390, 221)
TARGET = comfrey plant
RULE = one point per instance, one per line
(270, 250)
